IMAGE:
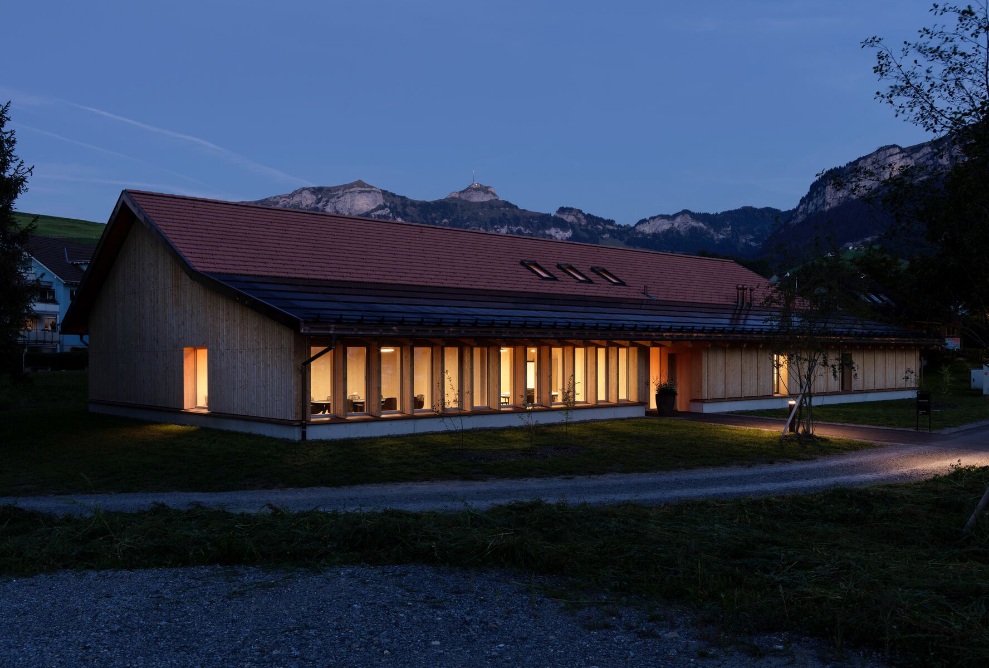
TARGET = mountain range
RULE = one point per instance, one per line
(830, 208)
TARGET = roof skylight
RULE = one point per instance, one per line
(538, 270)
(607, 275)
(574, 272)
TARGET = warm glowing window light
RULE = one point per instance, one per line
(538, 270)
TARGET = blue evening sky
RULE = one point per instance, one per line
(624, 109)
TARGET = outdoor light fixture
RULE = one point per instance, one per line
(387, 350)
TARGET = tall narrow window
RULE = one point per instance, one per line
(321, 382)
(391, 378)
(422, 378)
(356, 380)
(579, 374)
(558, 384)
(202, 379)
(196, 378)
(530, 376)
(780, 374)
(602, 361)
(623, 374)
(507, 377)
(847, 372)
(480, 364)
(451, 378)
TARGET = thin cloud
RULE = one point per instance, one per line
(227, 154)
(133, 185)
(93, 147)
(21, 98)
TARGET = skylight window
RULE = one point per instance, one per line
(574, 273)
(538, 270)
(607, 275)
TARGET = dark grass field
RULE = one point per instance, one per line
(885, 567)
(54, 446)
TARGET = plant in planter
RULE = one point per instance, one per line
(666, 397)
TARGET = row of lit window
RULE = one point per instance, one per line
(453, 390)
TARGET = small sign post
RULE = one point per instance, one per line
(924, 408)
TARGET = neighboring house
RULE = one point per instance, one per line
(310, 325)
(57, 265)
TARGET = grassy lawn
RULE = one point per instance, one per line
(886, 567)
(69, 228)
(53, 445)
(955, 404)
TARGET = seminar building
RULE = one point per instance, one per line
(310, 325)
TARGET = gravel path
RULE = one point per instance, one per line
(416, 615)
(894, 463)
(408, 616)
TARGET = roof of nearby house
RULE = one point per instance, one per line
(328, 274)
(65, 258)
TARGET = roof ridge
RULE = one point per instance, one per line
(582, 244)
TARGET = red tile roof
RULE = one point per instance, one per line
(233, 238)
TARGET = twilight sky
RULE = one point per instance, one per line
(624, 109)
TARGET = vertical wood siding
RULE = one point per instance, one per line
(149, 310)
(740, 372)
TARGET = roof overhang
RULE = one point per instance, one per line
(323, 308)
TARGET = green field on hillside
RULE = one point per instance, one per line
(69, 228)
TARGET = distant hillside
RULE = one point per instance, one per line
(739, 233)
(830, 210)
(478, 207)
(66, 228)
(844, 205)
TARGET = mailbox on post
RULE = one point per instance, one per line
(924, 408)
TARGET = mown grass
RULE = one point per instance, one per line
(69, 228)
(886, 567)
(52, 445)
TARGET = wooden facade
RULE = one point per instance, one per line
(207, 332)
(150, 312)
(728, 372)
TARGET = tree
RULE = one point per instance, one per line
(16, 291)
(940, 82)
(809, 307)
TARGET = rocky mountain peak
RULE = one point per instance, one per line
(356, 198)
(475, 192)
(841, 185)
(833, 208)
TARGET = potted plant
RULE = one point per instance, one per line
(666, 397)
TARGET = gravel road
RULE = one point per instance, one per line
(416, 615)
(894, 463)
(408, 616)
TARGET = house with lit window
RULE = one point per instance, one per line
(57, 265)
(310, 325)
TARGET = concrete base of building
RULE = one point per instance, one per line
(367, 427)
(764, 403)
(273, 428)
(456, 421)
